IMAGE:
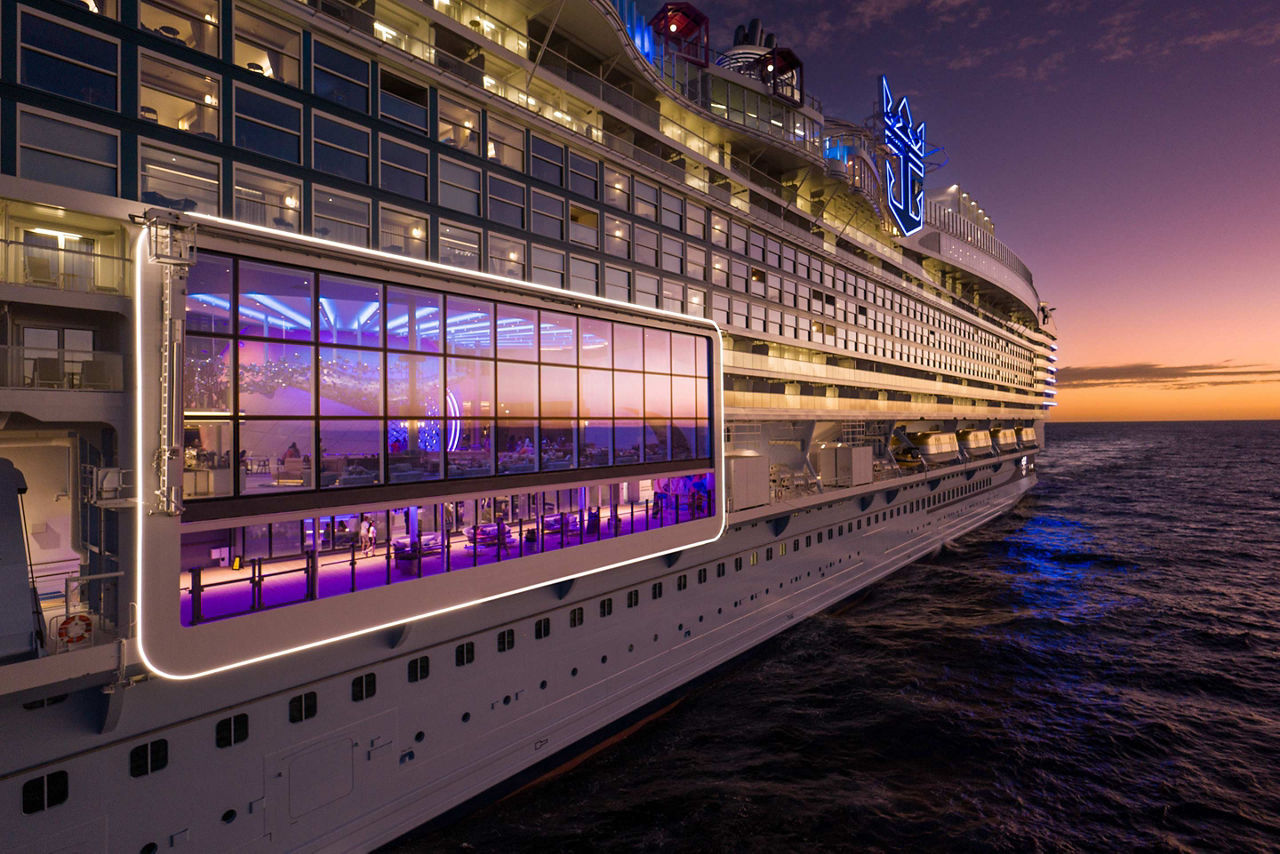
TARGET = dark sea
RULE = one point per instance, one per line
(1099, 670)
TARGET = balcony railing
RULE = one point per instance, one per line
(64, 262)
(49, 369)
(945, 219)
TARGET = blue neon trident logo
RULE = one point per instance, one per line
(905, 189)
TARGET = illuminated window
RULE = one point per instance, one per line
(617, 188)
(458, 125)
(179, 181)
(506, 258)
(193, 23)
(177, 97)
(267, 48)
(506, 144)
(459, 247)
(402, 233)
(337, 216)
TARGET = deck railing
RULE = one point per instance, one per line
(67, 263)
(60, 369)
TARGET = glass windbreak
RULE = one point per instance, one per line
(320, 381)
(234, 571)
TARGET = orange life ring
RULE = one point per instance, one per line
(75, 628)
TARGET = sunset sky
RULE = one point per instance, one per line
(1128, 152)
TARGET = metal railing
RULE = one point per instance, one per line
(943, 218)
(62, 268)
(49, 368)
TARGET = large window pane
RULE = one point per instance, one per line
(414, 449)
(517, 390)
(559, 392)
(470, 448)
(350, 453)
(276, 378)
(208, 468)
(469, 388)
(413, 320)
(459, 247)
(628, 346)
(517, 332)
(350, 382)
(684, 396)
(516, 443)
(628, 394)
(657, 350)
(657, 396)
(558, 445)
(277, 455)
(559, 335)
(350, 312)
(413, 385)
(206, 376)
(470, 326)
(176, 97)
(596, 393)
(595, 439)
(209, 294)
(627, 440)
(177, 181)
(275, 302)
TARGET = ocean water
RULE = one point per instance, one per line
(1099, 670)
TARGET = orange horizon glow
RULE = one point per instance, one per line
(1254, 401)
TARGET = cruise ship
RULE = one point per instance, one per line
(400, 398)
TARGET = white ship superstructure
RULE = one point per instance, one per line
(400, 397)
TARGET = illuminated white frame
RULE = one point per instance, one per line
(141, 457)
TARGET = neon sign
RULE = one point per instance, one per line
(905, 189)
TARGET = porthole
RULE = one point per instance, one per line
(466, 716)
(543, 685)
(228, 816)
(604, 659)
(573, 672)
(419, 736)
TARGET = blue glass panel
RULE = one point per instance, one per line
(47, 35)
(627, 438)
(340, 90)
(267, 140)
(209, 294)
(65, 78)
(341, 163)
(595, 442)
(269, 110)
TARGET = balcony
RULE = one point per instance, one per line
(61, 370)
(64, 261)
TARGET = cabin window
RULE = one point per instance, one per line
(267, 125)
(633, 598)
(464, 654)
(656, 590)
(506, 144)
(41, 793)
(146, 758)
(232, 730)
(458, 125)
(70, 62)
(506, 640)
(541, 628)
(364, 687)
(575, 618)
(606, 607)
(302, 707)
(403, 169)
(419, 668)
(339, 77)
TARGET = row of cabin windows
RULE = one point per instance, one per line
(273, 127)
(52, 789)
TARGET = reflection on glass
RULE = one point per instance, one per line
(595, 343)
(470, 326)
(209, 294)
(517, 390)
(275, 302)
(595, 393)
(657, 350)
(275, 378)
(655, 440)
(559, 391)
(413, 320)
(206, 375)
(350, 453)
(350, 382)
(682, 350)
(350, 312)
(657, 396)
(684, 442)
(469, 388)
(559, 338)
(517, 332)
(628, 347)
(628, 394)
(413, 385)
(627, 438)
(684, 397)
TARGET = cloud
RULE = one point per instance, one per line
(1167, 376)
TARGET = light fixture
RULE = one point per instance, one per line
(290, 201)
(769, 67)
(673, 28)
(416, 233)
